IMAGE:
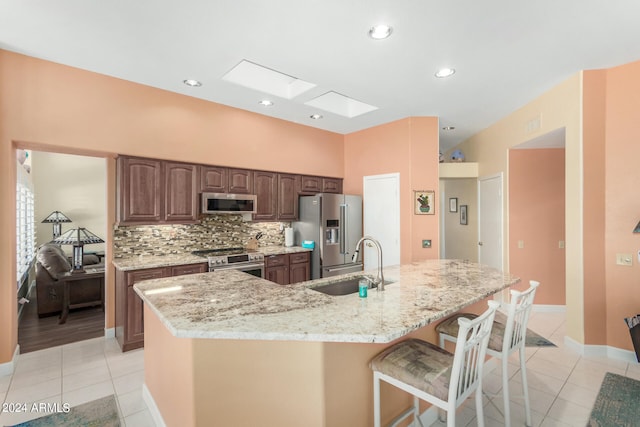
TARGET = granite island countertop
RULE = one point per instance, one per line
(230, 304)
(139, 262)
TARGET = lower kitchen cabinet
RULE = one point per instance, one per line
(287, 269)
(129, 306)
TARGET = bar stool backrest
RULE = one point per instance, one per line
(517, 319)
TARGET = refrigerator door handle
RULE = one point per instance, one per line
(343, 235)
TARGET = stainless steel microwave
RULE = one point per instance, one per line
(223, 203)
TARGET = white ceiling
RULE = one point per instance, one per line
(506, 52)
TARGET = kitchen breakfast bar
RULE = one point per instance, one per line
(229, 349)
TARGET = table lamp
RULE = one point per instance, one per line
(78, 237)
(56, 217)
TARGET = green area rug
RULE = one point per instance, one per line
(98, 413)
(617, 403)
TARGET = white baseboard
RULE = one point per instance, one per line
(8, 367)
(151, 405)
(545, 308)
(601, 351)
(109, 333)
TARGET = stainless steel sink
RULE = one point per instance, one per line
(345, 287)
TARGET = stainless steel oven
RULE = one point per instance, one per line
(234, 259)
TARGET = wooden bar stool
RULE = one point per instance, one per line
(435, 375)
(505, 340)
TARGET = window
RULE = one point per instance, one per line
(25, 223)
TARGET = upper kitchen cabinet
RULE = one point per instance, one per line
(266, 190)
(240, 181)
(310, 185)
(181, 191)
(140, 188)
(288, 189)
(332, 185)
(213, 179)
(155, 191)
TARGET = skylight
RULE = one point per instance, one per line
(340, 104)
(257, 77)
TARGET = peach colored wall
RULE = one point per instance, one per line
(594, 114)
(409, 147)
(536, 217)
(560, 107)
(51, 107)
(622, 204)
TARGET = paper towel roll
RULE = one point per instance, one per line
(288, 237)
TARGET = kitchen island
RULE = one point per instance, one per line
(226, 348)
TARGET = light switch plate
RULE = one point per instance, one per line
(426, 243)
(624, 259)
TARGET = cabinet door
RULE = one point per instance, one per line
(134, 326)
(213, 179)
(240, 181)
(181, 270)
(141, 190)
(279, 275)
(310, 185)
(181, 192)
(288, 189)
(299, 272)
(331, 185)
(266, 190)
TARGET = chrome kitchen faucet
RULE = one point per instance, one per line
(380, 279)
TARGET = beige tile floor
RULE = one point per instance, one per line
(562, 384)
(74, 374)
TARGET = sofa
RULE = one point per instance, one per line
(51, 265)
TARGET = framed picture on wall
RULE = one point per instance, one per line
(463, 214)
(453, 204)
(424, 202)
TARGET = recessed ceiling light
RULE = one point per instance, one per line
(448, 128)
(445, 72)
(316, 116)
(265, 103)
(381, 31)
(192, 83)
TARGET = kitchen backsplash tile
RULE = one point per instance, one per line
(214, 231)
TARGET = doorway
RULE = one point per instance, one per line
(381, 217)
(490, 220)
(76, 186)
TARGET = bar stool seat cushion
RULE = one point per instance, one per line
(418, 363)
(450, 327)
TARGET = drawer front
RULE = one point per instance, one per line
(136, 276)
(276, 260)
(299, 258)
(181, 270)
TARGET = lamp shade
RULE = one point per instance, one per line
(77, 236)
(56, 217)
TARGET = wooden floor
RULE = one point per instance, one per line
(38, 333)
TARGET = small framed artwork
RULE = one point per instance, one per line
(463, 214)
(453, 204)
(424, 202)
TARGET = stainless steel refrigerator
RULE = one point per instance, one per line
(334, 223)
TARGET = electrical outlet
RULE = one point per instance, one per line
(561, 244)
(520, 244)
(624, 259)
(426, 243)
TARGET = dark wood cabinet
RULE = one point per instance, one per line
(181, 182)
(155, 191)
(240, 181)
(129, 306)
(287, 269)
(266, 190)
(140, 189)
(331, 185)
(299, 267)
(276, 269)
(213, 179)
(310, 185)
(181, 270)
(288, 189)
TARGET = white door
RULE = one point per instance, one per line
(490, 223)
(381, 218)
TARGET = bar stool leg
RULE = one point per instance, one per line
(525, 386)
(505, 390)
(376, 401)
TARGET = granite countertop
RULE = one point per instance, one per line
(230, 304)
(153, 261)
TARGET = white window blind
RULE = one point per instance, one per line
(25, 224)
